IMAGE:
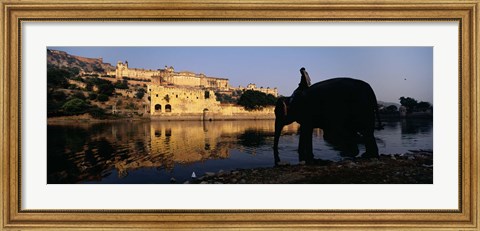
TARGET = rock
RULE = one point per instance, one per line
(233, 180)
(203, 182)
(209, 174)
(243, 181)
(302, 163)
(221, 172)
(411, 157)
(173, 180)
(186, 182)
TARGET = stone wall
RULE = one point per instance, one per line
(175, 103)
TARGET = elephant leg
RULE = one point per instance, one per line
(349, 144)
(370, 145)
(305, 146)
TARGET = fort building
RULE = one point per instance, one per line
(253, 87)
(172, 103)
(168, 76)
(188, 95)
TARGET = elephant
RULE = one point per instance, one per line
(344, 108)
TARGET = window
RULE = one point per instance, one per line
(158, 107)
(168, 108)
(207, 94)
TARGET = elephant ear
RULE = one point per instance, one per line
(281, 108)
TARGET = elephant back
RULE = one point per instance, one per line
(340, 98)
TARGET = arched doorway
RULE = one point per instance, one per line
(168, 108)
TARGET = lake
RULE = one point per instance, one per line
(145, 152)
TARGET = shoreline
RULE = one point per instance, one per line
(415, 167)
(89, 119)
(193, 117)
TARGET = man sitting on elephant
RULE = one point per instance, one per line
(297, 98)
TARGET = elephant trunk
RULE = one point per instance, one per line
(280, 118)
(278, 130)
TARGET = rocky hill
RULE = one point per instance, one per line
(63, 59)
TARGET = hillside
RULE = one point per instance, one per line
(62, 59)
(78, 87)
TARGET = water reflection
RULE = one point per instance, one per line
(154, 152)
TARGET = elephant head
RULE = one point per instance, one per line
(282, 118)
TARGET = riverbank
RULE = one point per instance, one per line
(87, 118)
(188, 117)
(415, 167)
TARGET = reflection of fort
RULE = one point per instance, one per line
(185, 142)
(91, 151)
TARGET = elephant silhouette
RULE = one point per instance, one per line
(344, 108)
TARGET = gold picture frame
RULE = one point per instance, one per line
(14, 12)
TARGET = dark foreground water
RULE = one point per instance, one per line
(157, 152)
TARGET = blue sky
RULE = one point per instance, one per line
(391, 71)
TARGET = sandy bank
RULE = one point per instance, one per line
(410, 168)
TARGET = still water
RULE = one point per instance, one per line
(155, 152)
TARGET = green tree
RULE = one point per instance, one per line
(391, 108)
(97, 112)
(75, 106)
(423, 106)
(409, 103)
(121, 84)
(106, 88)
(102, 97)
(79, 95)
(92, 96)
(57, 78)
(140, 93)
(252, 100)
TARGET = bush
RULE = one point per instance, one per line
(75, 106)
(97, 112)
(106, 88)
(92, 96)
(57, 77)
(59, 96)
(252, 100)
(102, 97)
(121, 84)
(79, 95)
(140, 94)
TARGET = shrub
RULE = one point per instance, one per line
(140, 94)
(251, 100)
(92, 96)
(97, 112)
(102, 97)
(79, 95)
(75, 106)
